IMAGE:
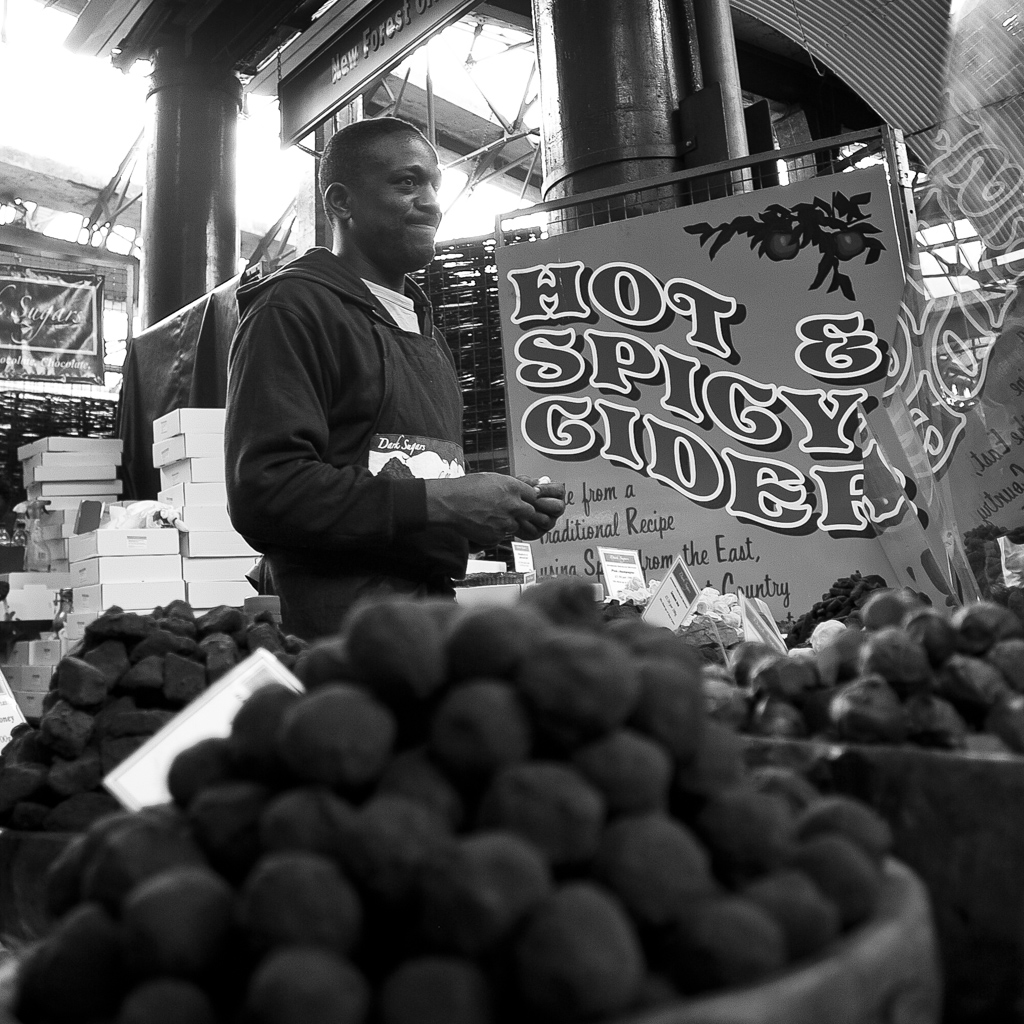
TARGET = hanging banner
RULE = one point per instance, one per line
(710, 380)
(958, 361)
(50, 325)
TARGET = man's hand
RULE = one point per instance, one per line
(548, 505)
(484, 507)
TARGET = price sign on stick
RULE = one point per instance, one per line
(10, 714)
(141, 779)
(522, 556)
(758, 624)
(673, 600)
(623, 574)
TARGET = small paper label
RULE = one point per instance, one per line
(522, 556)
(623, 574)
(758, 623)
(675, 596)
(141, 779)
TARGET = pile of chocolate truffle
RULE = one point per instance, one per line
(470, 816)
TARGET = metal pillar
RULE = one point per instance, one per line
(611, 86)
(189, 221)
(719, 65)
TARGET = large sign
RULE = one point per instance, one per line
(371, 46)
(50, 326)
(709, 380)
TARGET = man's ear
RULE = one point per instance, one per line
(336, 199)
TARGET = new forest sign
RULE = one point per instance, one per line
(368, 48)
(709, 380)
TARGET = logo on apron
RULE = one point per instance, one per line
(408, 456)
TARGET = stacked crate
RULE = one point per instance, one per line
(188, 449)
(137, 570)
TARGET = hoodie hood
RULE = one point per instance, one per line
(320, 266)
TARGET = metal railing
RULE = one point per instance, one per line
(833, 155)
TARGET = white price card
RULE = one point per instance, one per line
(10, 713)
(623, 574)
(522, 556)
(141, 779)
(675, 596)
(759, 623)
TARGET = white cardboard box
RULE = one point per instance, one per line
(214, 544)
(192, 471)
(491, 594)
(188, 421)
(129, 596)
(30, 703)
(74, 627)
(188, 446)
(35, 652)
(70, 502)
(30, 678)
(48, 474)
(213, 492)
(32, 603)
(210, 593)
(70, 459)
(123, 542)
(81, 488)
(206, 517)
(210, 570)
(57, 550)
(126, 569)
(93, 445)
(57, 531)
(52, 580)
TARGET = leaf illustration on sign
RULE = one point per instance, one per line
(839, 230)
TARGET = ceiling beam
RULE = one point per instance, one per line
(459, 131)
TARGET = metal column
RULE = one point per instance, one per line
(719, 65)
(611, 86)
(189, 221)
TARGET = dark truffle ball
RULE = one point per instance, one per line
(578, 956)
(548, 804)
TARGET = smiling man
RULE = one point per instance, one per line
(343, 441)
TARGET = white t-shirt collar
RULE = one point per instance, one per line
(399, 305)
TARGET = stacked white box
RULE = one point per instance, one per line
(64, 471)
(188, 449)
(29, 671)
(134, 569)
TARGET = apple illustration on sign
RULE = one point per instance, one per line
(850, 244)
(838, 229)
(782, 245)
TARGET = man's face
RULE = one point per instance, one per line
(393, 208)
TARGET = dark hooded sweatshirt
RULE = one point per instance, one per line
(317, 373)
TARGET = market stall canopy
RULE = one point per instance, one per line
(891, 54)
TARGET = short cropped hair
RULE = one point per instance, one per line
(344, 155)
